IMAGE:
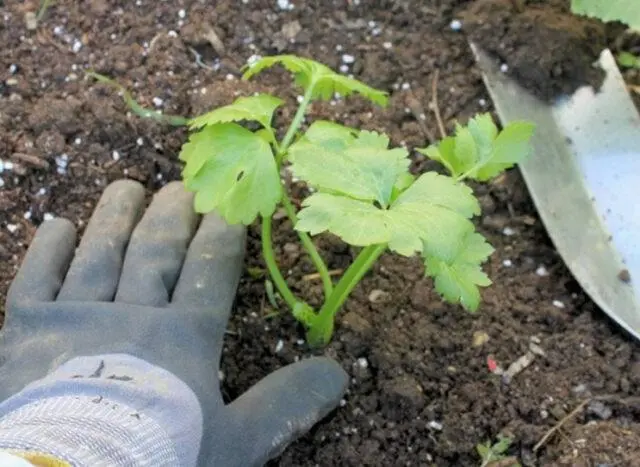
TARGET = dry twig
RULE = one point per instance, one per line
(418, 113)
(434, 104)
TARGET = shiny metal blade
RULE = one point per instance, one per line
(584, 178)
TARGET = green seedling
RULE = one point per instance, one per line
(135, 107)
(494, 455)
(362, 190)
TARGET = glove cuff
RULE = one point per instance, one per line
(106, 410)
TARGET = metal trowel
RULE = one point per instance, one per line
(584, 178)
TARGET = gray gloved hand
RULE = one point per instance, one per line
(158, 285)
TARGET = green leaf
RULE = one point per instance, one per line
(434, 210)
(328, 135)
(258, 108)
(363, 168)
(358, 223)
(457, 278)
(325, 82)
(404, 181)
(431, 214)
(625, 11)
(628, 60)
(232, 171)
(502, 445)
(484, 450)
(479, 152)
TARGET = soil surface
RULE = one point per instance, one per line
(421, 392)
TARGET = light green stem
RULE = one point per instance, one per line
(321, 332)
(267, 241)
(317, 260)
(295, 124)
(272, 265)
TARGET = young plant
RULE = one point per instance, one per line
(494, 455)
(363, 190)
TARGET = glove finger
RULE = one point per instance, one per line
(157, 248)
(45, 264)
(284, 406)
(95, 270)
(212, 268)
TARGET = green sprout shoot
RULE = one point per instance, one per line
(363, 191)
(494, 455)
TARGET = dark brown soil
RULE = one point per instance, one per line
(533, 42)
(421, 392)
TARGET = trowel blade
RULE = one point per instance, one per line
(584, 178)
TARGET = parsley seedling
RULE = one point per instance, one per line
(363, 190)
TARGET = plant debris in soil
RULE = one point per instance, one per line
(423, 391)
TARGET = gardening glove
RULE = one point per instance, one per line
(116, 345)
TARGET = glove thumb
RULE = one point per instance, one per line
(285, 405)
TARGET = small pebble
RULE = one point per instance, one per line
(362, 362)
(1, 182)
(140, 141)
(580, 389)
(346, 58)
(285, 5)
(504, 68)
(600, 410)
(157, 101)
(77, 45)
(542, 271)
(13, 69)
(279, 346)
(31, 21)
(299, 99)
(221, 375)
(27, 215)
(558, 304)
(172, 33)
(482, 102)
(12, 228)
(377, 295)
(435, 425)
(387, 45)
(456, 25)
(182, 14)
(405, 86)
(508, 231)
(253, 59)
(115, 155)
(48, 216)
(507, 263)
(479, 338)
(344, 68)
